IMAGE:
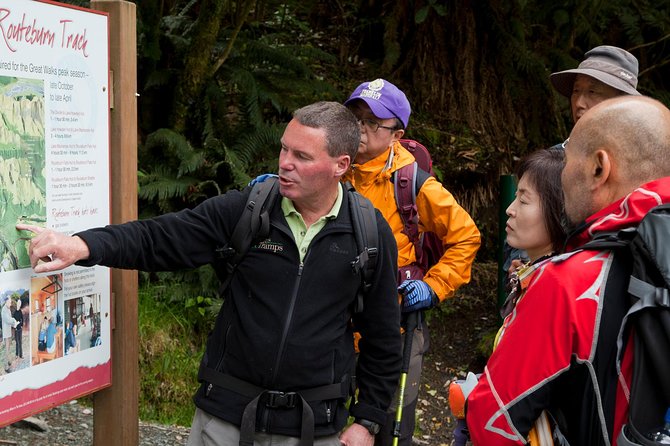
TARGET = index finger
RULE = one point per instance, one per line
(32, 228)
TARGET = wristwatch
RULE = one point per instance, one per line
(371, 426)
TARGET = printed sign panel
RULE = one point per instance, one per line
(54, 173)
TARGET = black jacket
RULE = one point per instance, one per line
(284, 325)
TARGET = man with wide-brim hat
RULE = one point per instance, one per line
(606, 72)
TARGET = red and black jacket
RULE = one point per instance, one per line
(558, 352)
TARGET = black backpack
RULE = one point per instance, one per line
(254, 226)
(648, 318)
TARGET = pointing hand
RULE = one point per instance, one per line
(50, 250)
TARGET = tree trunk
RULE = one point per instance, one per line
(461, 66)
(197, 63)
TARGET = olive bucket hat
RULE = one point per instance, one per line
(611, 65)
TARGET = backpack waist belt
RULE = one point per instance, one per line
(274, 399)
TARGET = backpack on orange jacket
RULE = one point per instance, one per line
(407, 182)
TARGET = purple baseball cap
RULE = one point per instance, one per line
(384, 99)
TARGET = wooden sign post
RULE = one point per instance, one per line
(116, 408)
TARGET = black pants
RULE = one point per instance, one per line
(19, 345)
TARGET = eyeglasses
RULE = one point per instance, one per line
(374, 125)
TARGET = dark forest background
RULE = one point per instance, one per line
(218, 80)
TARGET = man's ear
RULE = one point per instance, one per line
(343, 163)
(397, 134)
(602, 166)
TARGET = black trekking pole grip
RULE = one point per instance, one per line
(411, 323)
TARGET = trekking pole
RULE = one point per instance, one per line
(411, 324)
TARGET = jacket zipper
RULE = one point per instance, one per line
(265, 425)
(287, 324)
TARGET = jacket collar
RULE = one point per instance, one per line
(622, 214)
(392, 159)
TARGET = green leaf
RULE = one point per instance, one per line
(421, 15)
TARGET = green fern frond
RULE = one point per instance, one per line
(238, 168)
(176, 25)
(204, 185)
(311, 53)
(190, 162)
(209, 137)
(159, 78)
(177, 286)
(159, 187)
(279, 58)
(251, 104)
(263, 142)
(168, 140)
(175, 146)
(179, 43)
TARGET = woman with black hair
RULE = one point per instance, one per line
(535, 217)
(534, 225)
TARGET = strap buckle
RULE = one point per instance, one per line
(280, 400)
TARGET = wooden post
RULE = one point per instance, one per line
(116, 420)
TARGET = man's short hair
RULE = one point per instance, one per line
(343, 133)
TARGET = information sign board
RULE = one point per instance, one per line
(54, 172)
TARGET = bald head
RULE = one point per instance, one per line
(636, 132)
(615, 147)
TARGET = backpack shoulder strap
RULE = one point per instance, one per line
(364, 222)
(407, 181)
(420, 153)
(405, 189)
(650, 281)
(254, 224)
(609, 240)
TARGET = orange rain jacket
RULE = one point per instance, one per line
(438, 212)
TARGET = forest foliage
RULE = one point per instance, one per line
(218, 80)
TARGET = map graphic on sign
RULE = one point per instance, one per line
(22, 163)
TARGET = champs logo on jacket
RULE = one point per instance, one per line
(269, 245)
(558, 350)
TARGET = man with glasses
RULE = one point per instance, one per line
(383, 113)
(605, 73)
